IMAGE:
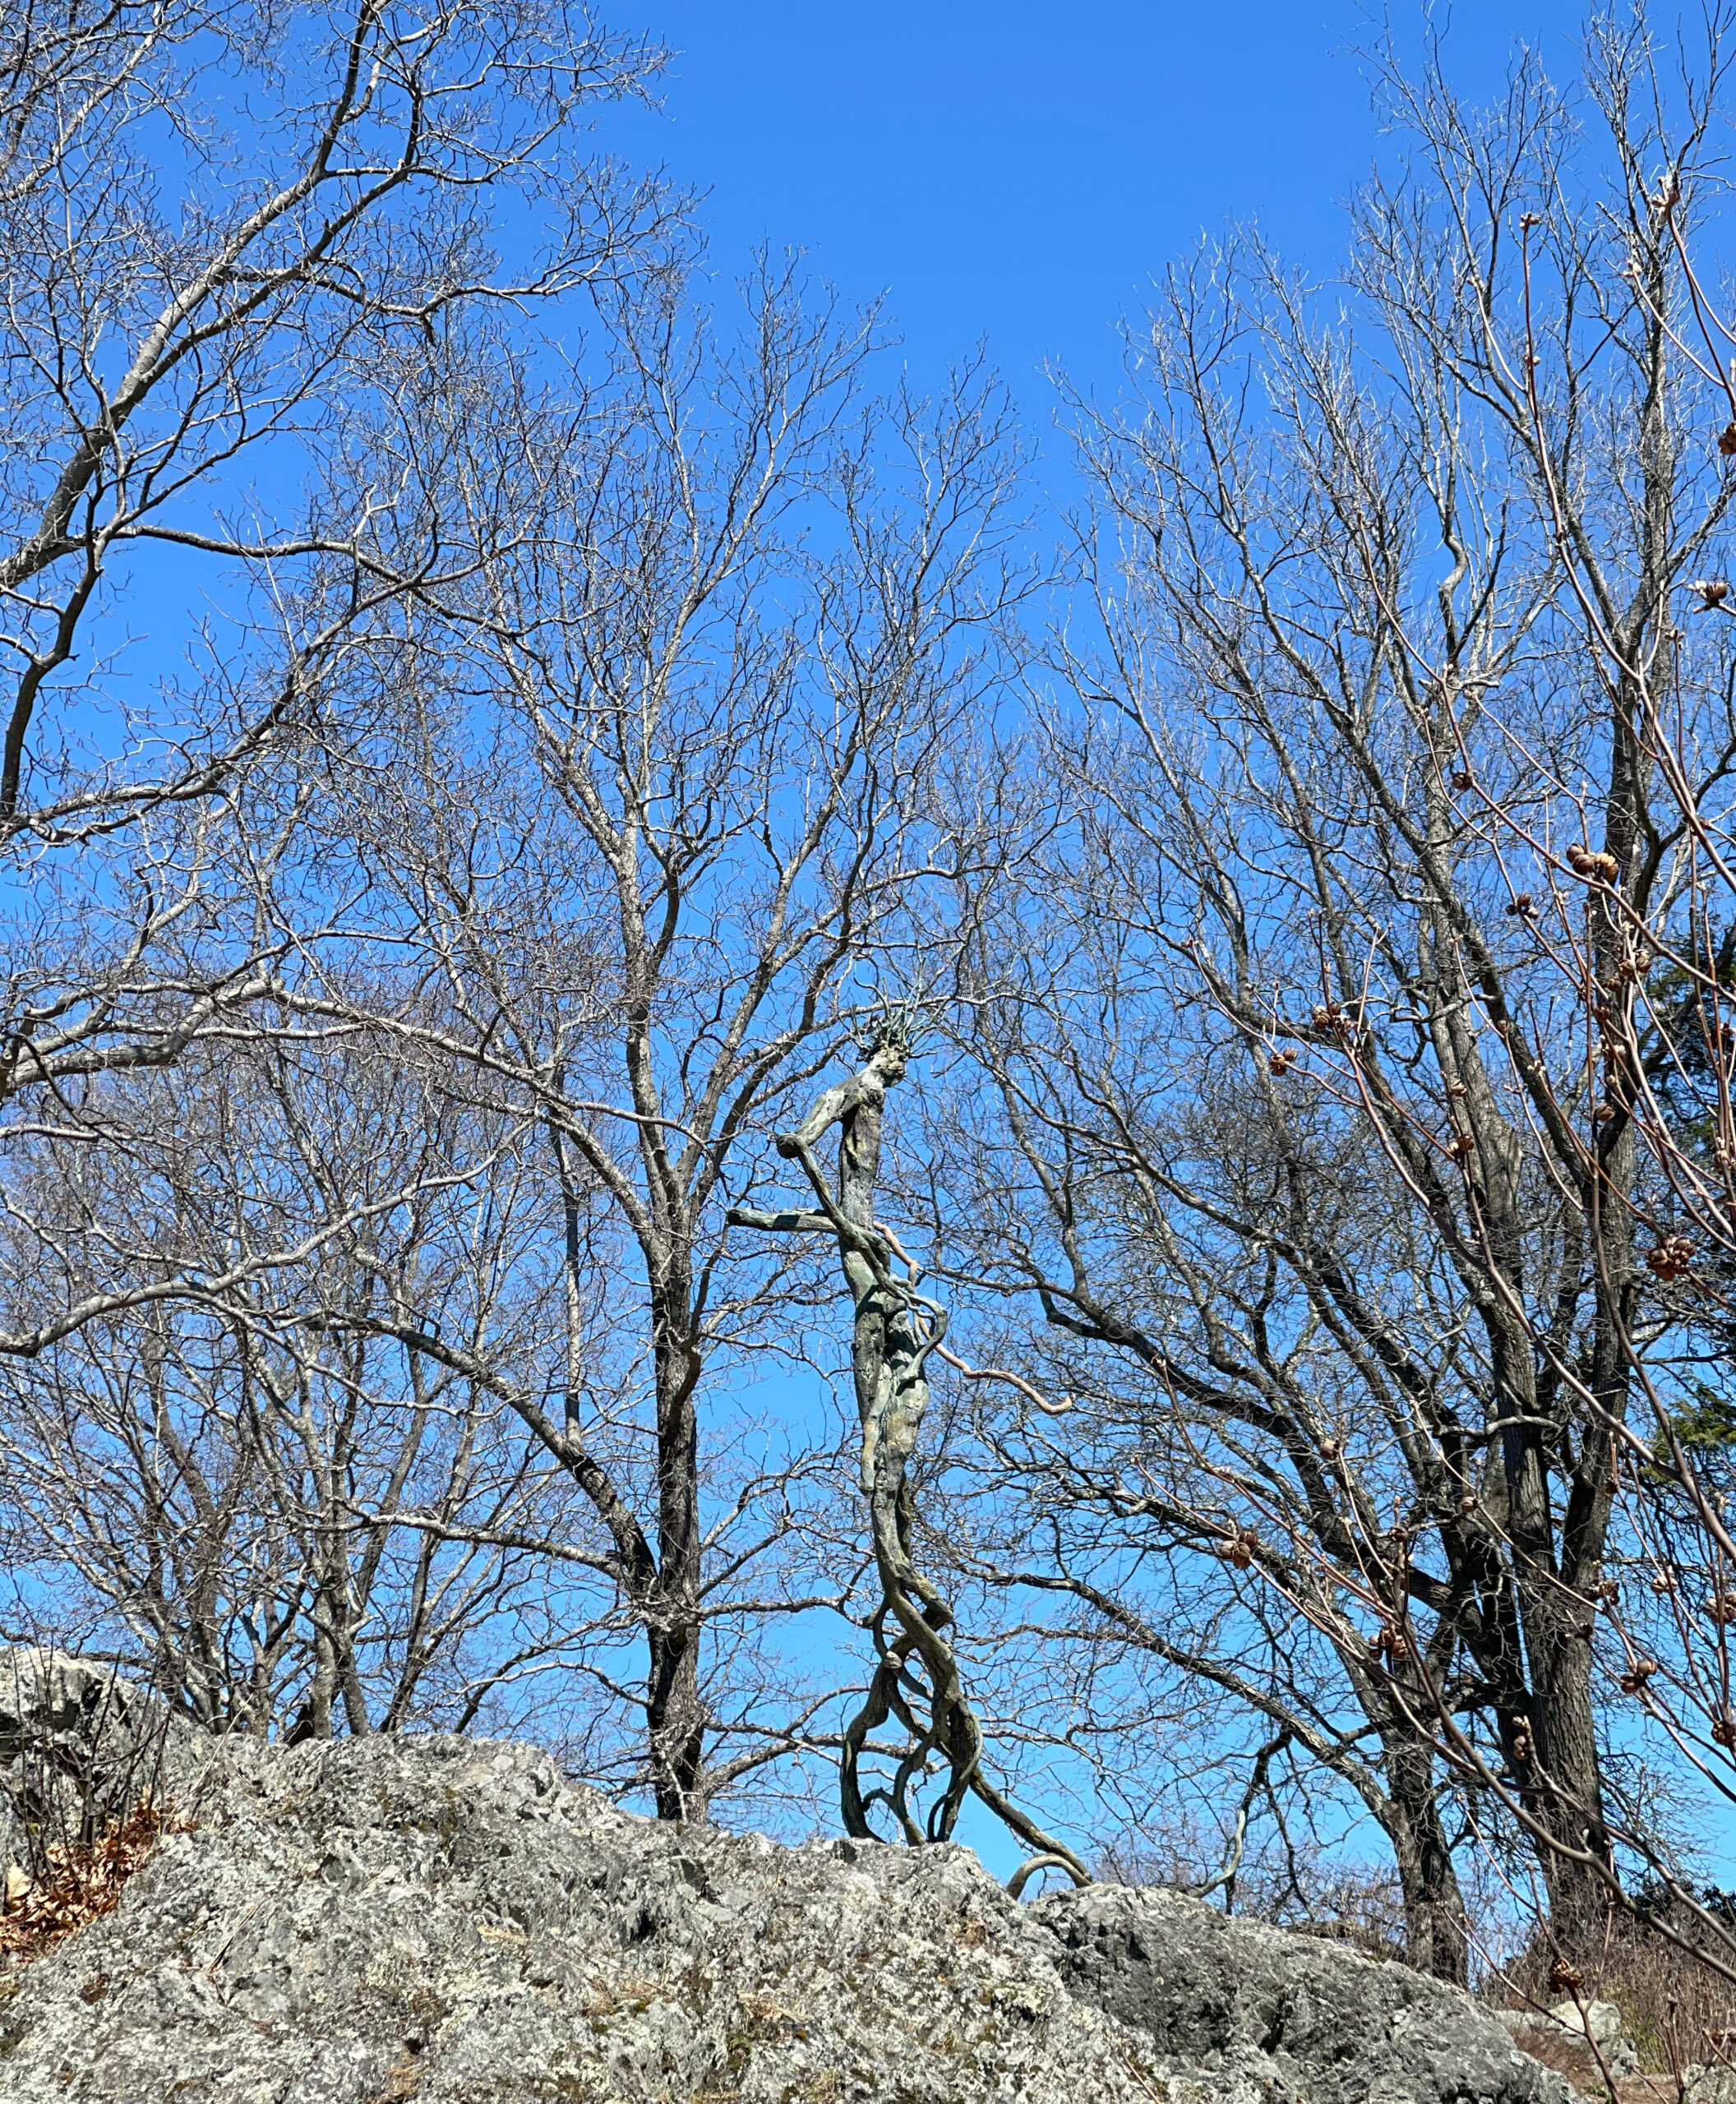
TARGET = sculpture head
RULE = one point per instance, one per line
(889, 1042)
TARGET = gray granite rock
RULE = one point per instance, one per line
(1278, 2016)
(1714, 2084)
(1565, 2028)
(448, 1919)
(1600, 2022)
(78, 1742)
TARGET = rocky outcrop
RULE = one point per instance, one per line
(449, 1919)
(78, 1745)
(1587, 2045)
(1273, 2014)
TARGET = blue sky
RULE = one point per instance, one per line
(1017, 171)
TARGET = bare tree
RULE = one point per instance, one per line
(671, 761)
(73, 76)
(1328, 1194)
(234, 248)
(150, 359)
(292, 1525)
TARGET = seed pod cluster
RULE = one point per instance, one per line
(1595, 868)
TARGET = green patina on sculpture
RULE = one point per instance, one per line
(916, 1682)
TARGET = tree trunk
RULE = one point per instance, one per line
(1569, 1794)
(1437, 1927)
(674, 1711)
(676, 1718)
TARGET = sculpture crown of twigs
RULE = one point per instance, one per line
(898, 1028)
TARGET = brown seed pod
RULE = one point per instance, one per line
(1595, 868)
